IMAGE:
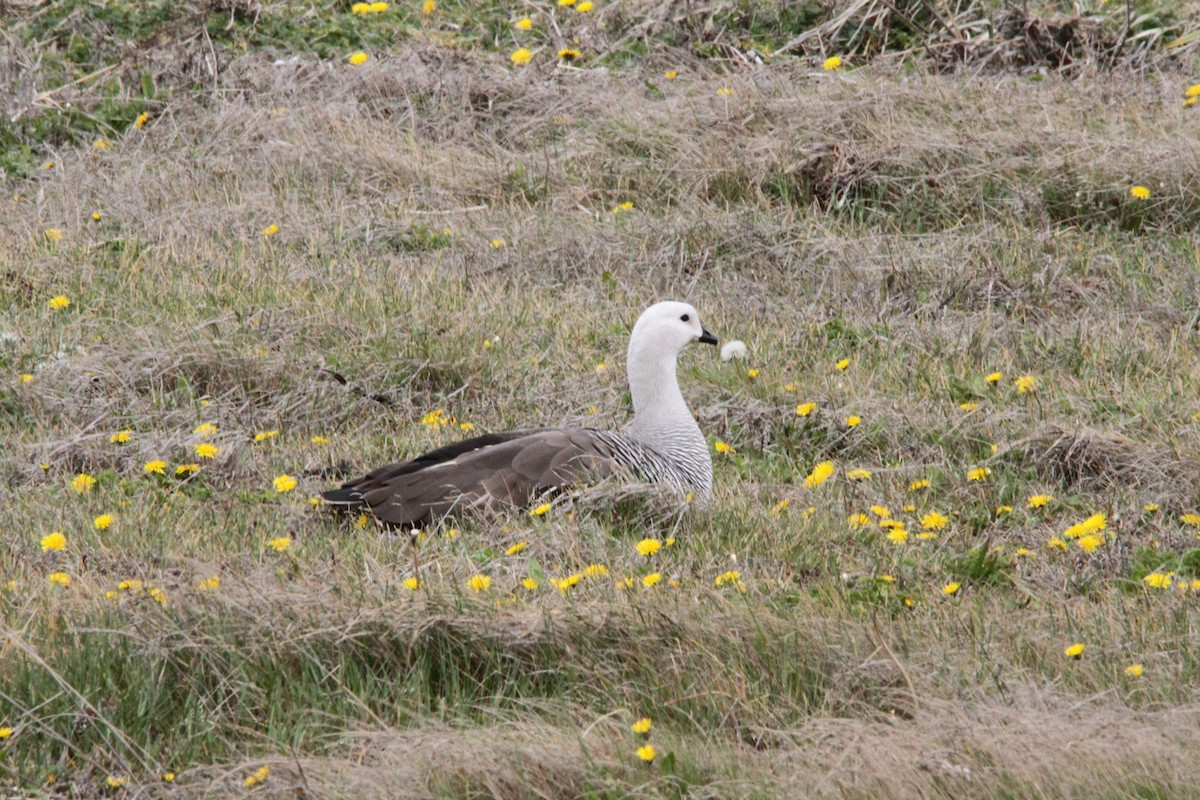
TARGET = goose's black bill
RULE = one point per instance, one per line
(708, 337)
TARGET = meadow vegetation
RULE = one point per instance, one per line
(239, 268)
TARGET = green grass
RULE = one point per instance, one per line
(928, 227)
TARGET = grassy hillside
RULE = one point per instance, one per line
(239, 268)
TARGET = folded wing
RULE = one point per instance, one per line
(497, 469)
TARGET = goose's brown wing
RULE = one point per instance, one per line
(505, 469)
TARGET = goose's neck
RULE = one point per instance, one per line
(654, 389)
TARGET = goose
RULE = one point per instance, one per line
(662, 445)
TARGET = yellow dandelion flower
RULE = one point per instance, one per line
(621, 208)
(648, 547)
(1025, 384)
(970, 406)
(804, 409)
(831, 63)
(280, 544)
(978, 473)
(842, 365)
(645, 752)
(934, 521)
(883, 512)
(103, 521)
(183, 470)
(897, 536)
(359, 58)
(120, 437)
(566, 2)
(5, 733)
(516, 548)
(59, 578)
(284, 483)
(853, 422)
(141, 120)
(1074, 650)
(642, 726)
(951, 588)
(1025, 552)
(60, 302)
(1039, 500)
(669, 541)
(595, 571)
(652, 579)
(1193, 91)
(207, 450)
(53, 235)
(1190, 518)
(751, 374)
(1001, 510)
(568, 54)
(207, 429)
(1134, 671)
(271, 229)
(529, 583)
(168, 776)
(412, 584)
(856, 521)
(258, 776)
(262, 436)
(671, 74)
(1089, 543)
(858, 475)
(83, 482)
(1139, 193)
(541, 510)
(1158, 580)
(524, 24)
(116, 781)
(1150, 508)
(428, 7)
(155, 467)
(53, 541)
(820, 473)
(1056, 543)
(584, 7)
(725, 92)
(917, 486)
(378, 8)
(519, 56)
(781, 506)
(993, 377)
(723, 447)
(729, 577)
(479, 583)
(25, 377)
(210, 583)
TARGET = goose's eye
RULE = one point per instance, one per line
(685, 318)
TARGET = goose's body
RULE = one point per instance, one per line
(663, 444)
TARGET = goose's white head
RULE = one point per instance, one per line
(668, 327)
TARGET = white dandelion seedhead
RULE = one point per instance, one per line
(735, 348)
